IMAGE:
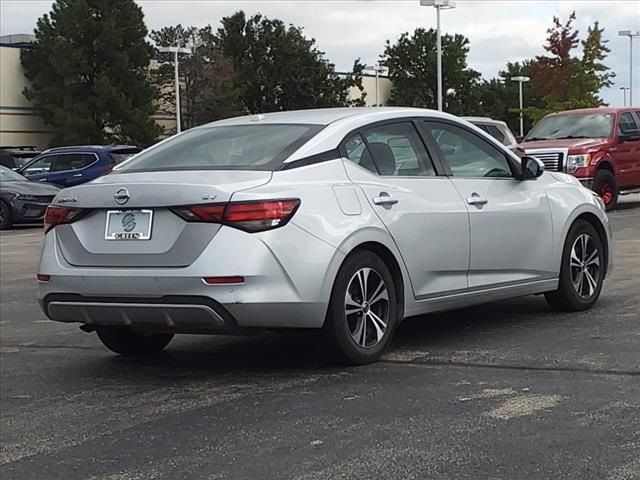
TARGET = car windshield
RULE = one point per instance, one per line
(232, 147)
(8, 175)
(584, 125)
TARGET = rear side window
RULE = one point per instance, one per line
(72, 161)
(627, 123)
(232, 147)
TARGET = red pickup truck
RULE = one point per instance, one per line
(600, 146)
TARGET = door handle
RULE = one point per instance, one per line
(42, 180)
(477, 200)
(384, 199)
(77, 175)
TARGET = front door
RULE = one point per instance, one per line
(423, 212)
(510, 220)
(626, 154)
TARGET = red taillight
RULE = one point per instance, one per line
(261, 215)
(253, 216)
(55, 215)
(223, 280)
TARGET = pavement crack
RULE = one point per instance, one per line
(444, 363)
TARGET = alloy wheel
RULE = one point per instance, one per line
(585, 266)
(367, 307)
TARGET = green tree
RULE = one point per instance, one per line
(88, 73)
(412, 69)
(594, 75)
(206, 76)
(278, 68)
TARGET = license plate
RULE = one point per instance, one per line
(128, 225)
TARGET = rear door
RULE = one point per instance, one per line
(69, 169)
(510, 220)
(422, 211)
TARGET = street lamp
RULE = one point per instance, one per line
(624, 94)
(378, 69)
(631, 35)
(439, 5)
(520, 81)
(176, 51)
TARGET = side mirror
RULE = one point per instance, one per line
(629, 136)
(532, 168)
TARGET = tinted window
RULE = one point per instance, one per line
(583, 125)
(396, 149)
(120, 155)
(356, 149)
(41, 165)
(626, 123)
(72, 161)
(467, 154)
(240, 147)
(497, 133)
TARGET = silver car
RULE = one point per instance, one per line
(341, 220)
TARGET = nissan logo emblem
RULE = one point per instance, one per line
(122, 196)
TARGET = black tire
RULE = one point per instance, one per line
(126, 342)
(338, 325)
(5, 216)
(566, 298)
(605, 185)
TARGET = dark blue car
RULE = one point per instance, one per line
(69, 166)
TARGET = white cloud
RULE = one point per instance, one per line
(499, 31)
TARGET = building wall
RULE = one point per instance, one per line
(369, 84)
(19, 122)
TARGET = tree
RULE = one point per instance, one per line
(88, 73)
(206, 75)
(278, 68)
(594, 75)
(412, 69)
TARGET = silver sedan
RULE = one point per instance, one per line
(341, 220)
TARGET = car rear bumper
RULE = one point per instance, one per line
(279, 290)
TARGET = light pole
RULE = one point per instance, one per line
(624, 95)
(176, 51)
(520, 81)
(378, 69)
(631, 35)
(439, 5)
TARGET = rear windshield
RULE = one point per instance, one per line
(583, 125)
(232, 147)
(122, 154)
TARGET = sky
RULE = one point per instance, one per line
(499, 31)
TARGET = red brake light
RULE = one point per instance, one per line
(55, 215)
(223, 280)
(251, 216)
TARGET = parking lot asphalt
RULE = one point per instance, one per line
(510, 390)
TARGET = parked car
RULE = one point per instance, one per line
(599, 146)
(22, 201)
(496, 128)
(345, 220)
(16, 157)
(69, 166)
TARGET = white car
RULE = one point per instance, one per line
(345, 220)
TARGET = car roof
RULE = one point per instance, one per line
(323, 116)
(90, 148)
(593, 110)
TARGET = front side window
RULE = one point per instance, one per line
(467, 154)
(41, 165)
(230, 147)
(575, 125)
(627, 123)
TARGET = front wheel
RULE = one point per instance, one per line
(363, 310)
(124, 341)
(582, 271)
(5, 216)
(605, 185)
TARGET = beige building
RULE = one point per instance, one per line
(20, 124)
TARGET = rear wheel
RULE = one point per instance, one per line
(126, 342)
(582, 270)
(363, 310)
(606, 186)
(5, 216)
